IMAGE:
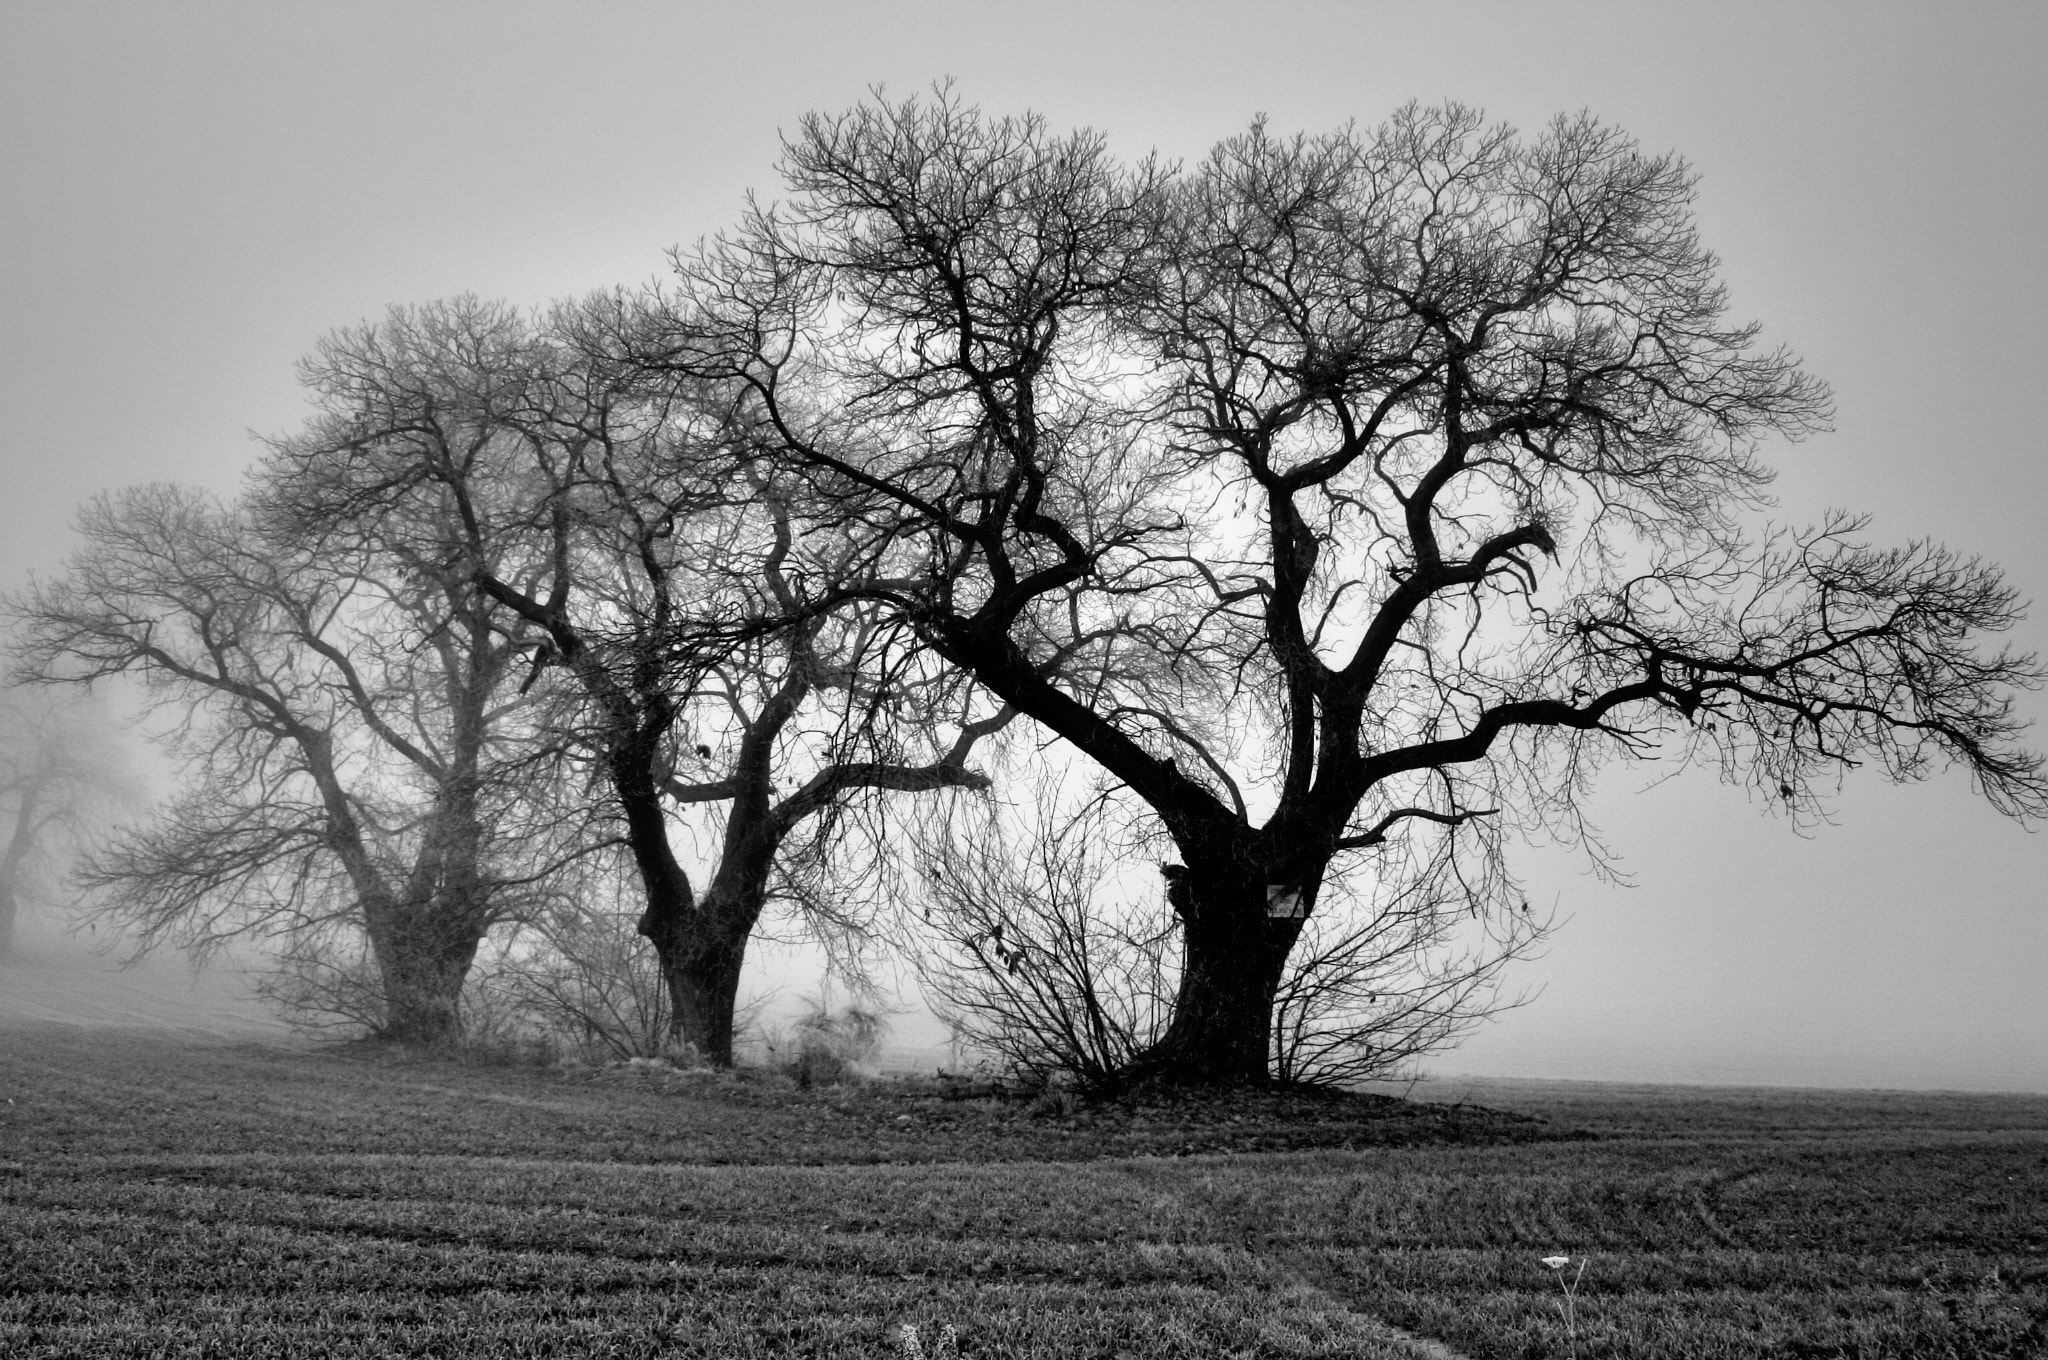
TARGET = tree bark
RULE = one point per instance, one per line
(7, 913)
(422, 960)
(702, 944)
(700, 963)
(702, 972)
(670, 923)
(1233, 956)
(435, 931)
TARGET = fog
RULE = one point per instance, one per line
(77, 979)
(80, 976)
(193, 195)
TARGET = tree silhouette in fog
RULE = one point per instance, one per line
(1387, 482)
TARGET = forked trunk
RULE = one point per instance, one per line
(1236, 930)
(699, 948)
(702, 946)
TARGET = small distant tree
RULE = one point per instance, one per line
(355, 764)
(64, 779)
(827, 1044)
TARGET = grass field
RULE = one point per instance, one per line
(185, 1196)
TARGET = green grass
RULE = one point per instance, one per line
(176, 1198)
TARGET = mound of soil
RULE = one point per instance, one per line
(924, 1118)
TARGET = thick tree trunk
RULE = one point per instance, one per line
(1234, 953)
(702, 945)
(422, 999)
(7, 914)
(422, 958)
(702, 974)
(428, 938)
(699, 968)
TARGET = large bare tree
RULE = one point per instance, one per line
(1381, 484)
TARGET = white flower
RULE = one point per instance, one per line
(1557, 1262)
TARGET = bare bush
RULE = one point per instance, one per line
(1409, 969)
(826, 1046)
(323, 979)
(587, 975)
(1035, 962)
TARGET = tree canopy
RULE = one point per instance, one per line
(1338, 491)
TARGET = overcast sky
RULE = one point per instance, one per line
(191, 194)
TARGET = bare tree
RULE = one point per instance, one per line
(348, 732)
(626, 526)
(63, 780)
(1340, 492)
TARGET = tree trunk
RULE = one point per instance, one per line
(1233, 955)
(14, 863)
(702, 973)
(698, 968)
(426, 939)
(423, 958)
(702, 945)
(703, 949)
(422, 999)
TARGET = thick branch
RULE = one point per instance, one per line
(835, 780)
(1378, 834)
